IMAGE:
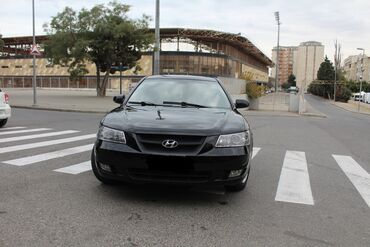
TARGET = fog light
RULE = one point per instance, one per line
(105, 167)
(235, 173)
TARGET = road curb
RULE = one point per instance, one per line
(308, 114)
(57, 109)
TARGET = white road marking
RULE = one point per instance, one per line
(48, 156)
(294, 184)
(23, 131)
(359, 177)
(76, 169)
(28, 137)
(255, 152)
(12, 128)
(45, 143)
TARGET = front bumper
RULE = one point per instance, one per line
(5, 111)
(130, 165)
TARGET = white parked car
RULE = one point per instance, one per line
(358, 96)
(5, 110)
(367, 98)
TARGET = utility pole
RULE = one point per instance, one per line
(34, 56)
(277, 17)
(362, 76)
(120, 78)
(156, 67)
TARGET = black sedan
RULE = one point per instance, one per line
(175, 130)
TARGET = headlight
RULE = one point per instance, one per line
(111, 135)
(234, 140)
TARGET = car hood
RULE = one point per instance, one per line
(148, 119)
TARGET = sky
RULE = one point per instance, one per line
(302, 20)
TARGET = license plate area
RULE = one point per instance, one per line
(168, 163)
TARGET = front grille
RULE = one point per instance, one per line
(187, 144)
(169, 176)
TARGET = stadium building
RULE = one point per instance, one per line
(183, 51)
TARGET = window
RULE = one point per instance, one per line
(4, 66)
(18, 66)
(200, 92)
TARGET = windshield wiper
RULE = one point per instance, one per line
(184, 104)
(143, 103)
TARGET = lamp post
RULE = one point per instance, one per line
(277, 18)
(156, 67)
(34, 56)
(362, 74)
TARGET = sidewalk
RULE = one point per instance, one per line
(353, 106)
(63, 100)
(87, 101)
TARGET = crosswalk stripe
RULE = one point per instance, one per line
(12, 128)
(45, 143)
(48, 156)
(28, 137)
(76, 169)
(23, 131)
(359, 177)
(255, 152)
(294, 183)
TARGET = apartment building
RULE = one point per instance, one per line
(303, 61)
(357, 67)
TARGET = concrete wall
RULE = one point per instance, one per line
(233, 86)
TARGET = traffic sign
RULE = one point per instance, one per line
(34, 51)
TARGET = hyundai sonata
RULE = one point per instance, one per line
(175, 130)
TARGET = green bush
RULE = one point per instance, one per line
(354, 86)
(253, 90)
(343, 94)
(325, 89)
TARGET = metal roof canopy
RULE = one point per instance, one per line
(199, 35)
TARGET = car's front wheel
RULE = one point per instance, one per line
(3, 122)
(240, 186)
(96, 172)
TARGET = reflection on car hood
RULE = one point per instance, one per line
(148, 119)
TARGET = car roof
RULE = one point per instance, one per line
(183, 77)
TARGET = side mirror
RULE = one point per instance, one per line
(241, 103)
(119, 99)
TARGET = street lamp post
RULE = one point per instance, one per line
(34, 56)
(362, 75)
(156, 67)
(277, 17)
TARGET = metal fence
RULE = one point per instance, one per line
(87, 82)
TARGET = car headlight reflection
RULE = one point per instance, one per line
(111, 135)
(234, 140)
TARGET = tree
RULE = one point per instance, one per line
(326, 71)
(1, 43)
(291, 81)
(103, 35)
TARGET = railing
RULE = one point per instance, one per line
(87, 82)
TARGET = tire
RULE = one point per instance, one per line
(240, 186)
(96, 172)
(3, 122)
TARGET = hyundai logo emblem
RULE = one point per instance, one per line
(170, 143)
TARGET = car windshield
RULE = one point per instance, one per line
(180, 92)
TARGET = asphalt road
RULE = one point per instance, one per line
(43, 207)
